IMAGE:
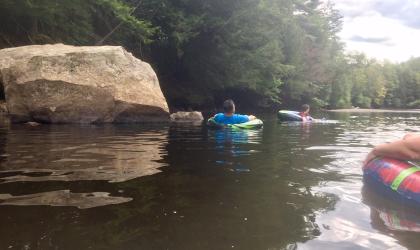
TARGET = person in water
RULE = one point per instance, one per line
(304, 113)
(229, 117)
(406, 149)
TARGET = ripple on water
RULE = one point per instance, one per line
(63, 198)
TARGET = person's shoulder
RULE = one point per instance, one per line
(218, 117)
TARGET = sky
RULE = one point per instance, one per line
(387, 29)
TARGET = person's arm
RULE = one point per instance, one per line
(251, 117)
(406, 149)
(409, 135)
(217, 117)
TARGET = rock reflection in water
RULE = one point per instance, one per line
(63, 198)
(64, 153)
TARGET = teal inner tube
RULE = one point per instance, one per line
(254, 124)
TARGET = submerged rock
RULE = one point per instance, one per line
(32, 124)
(68, 84)
(187, 116)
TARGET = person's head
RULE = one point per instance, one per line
(229, 107)
(305, 108)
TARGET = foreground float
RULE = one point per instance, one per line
(395, 179)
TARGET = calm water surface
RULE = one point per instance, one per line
(286, 186)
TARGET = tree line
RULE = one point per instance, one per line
(262, 53)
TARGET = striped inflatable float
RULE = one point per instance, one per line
(395, 178)
(254, 124)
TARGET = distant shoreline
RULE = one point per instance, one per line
(355, 110)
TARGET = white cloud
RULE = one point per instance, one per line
(385, 29)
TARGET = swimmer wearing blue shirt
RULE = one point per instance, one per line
(229, 116)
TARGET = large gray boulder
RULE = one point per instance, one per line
(68, 84)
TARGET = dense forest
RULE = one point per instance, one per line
(261, 53)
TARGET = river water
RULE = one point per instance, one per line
(286, 186)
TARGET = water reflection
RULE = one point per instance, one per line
(393, 219)
(64, 153)
(231, 144)
(387, 215)
(269, 207)
(301, 188)
(234, 137)
(56, 154)
(63, 198)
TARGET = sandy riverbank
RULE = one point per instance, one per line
(375, 110)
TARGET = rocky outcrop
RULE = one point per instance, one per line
(67, 84)
(187, 116)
